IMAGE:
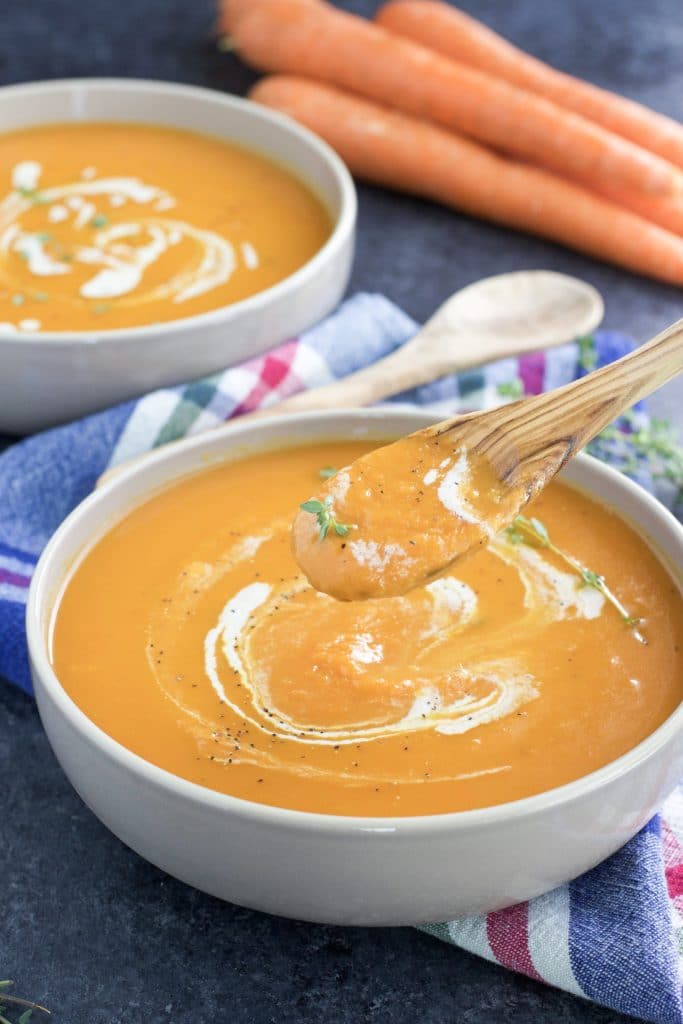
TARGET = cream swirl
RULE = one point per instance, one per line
(294, 666)
(121, 253)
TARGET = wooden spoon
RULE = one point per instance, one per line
(404, 512)
(495, 318)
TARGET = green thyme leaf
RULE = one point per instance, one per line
(326, 472)
(99, 221)
(591, 579)
(18, 299)
(26, 1016)
(588, 357)
(313, 506)
(324, 514)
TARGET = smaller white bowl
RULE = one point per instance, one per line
(320, 867)
(50, 377)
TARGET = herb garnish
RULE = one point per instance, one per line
(324, 513)
(18, 299)
(15, 1001)
(327, 471)
(637, 445)
(588, 356)
(99, 221)
(31, 193)
(532, 531)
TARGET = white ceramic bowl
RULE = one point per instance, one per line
(346, 870)
(47, 378)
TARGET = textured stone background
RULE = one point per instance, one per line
(88, 927)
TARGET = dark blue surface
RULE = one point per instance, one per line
(87, 927)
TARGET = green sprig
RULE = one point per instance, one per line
(327, 471)
(535, 533)
(32, 194)
(588, 356)
(638, 445)
(324, 513)
(28, 1005)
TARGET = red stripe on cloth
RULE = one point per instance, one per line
(531, 370)
(508, 934)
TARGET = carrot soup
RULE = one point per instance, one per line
(188, 634)
(108, 225)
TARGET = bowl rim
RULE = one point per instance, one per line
(313, 821)
(343, 224)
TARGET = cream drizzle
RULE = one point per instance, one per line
(122, 252)
(491, 687)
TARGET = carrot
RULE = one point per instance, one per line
(455, 34)
(410, 155)
(315, 40)
(668, 213)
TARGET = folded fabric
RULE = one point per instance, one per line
(615, 934)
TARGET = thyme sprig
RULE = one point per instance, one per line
(32, 194)
(532, 531)
(27, 1005)
(633, 442)
(324, 513)
(639, 444)
(327, 472)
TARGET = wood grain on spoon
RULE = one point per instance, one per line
(496, 318)
(404, 512)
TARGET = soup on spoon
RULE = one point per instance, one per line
(399, 515)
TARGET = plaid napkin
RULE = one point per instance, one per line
(614, 935)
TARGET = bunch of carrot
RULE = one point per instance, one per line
(427, 100)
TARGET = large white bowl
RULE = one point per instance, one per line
(50, 377)
(346, 870)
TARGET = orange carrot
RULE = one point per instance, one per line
(315, 40)
(668, 213)
(455, 34)
(411, 155)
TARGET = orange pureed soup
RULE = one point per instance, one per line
(109, 225)
(188, 634)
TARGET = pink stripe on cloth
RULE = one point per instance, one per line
(14, 578)
(673, 862)
(273, 376)
(508, 934)
(531, 370)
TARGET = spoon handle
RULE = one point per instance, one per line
(440, 348)
(582, 409)
(528, 441)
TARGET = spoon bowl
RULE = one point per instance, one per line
(533, 309)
